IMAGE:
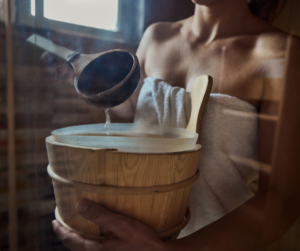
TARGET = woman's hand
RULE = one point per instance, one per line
(128, 234)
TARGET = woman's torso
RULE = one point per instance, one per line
(239, 65)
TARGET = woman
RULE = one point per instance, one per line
(246, 58)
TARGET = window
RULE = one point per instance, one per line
(116, 20)
(101, 14)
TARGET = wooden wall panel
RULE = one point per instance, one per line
(4, 237)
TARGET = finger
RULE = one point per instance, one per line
(118, 224)
(74, 241)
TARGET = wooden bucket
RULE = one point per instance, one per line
(152, 188)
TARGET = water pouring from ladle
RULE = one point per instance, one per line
(103, 80)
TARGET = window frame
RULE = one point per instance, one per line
(129, 27)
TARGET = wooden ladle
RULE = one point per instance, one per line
(103, 80)
(200, 92)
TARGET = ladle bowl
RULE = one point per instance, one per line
(104, 79)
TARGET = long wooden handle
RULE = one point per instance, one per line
(201, 89)
(57, 50)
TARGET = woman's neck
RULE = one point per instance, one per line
(220, 20)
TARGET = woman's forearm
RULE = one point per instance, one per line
(252, 226)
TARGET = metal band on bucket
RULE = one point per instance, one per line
(113, 190)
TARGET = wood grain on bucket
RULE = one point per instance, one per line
(161, 211)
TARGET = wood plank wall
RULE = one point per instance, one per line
(4, 237)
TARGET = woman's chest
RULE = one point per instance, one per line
(233, 73)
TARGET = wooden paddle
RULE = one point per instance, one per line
(200, 92)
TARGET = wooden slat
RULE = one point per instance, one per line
(13, 237)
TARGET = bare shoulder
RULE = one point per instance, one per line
(163, 31)
(156, 35)
(264, 41)
(278, 48)
(275, 43)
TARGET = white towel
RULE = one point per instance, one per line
(160, 103)
(229, 137)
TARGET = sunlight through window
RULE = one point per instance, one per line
(101, 14)
(33, 7)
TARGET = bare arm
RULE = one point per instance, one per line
(274, 209)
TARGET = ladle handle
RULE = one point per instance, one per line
(201, 89)
(57, 50)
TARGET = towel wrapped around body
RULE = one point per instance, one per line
(229, 137)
